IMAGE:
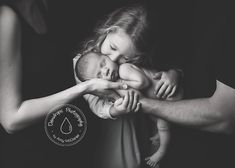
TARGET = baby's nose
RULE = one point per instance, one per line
(105, 71)
(114, 57)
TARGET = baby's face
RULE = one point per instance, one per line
(101, 66)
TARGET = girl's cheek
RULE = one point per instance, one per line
(122, 60)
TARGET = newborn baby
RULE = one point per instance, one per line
(95, 65)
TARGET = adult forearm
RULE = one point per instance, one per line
(199, 113)
(30, 111)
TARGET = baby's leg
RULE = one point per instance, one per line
(155, 139)
(163, 131)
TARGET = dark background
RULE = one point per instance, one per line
(70, 22)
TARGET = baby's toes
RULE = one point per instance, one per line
(147, 158)
(149, 162)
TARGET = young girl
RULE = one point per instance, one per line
(123, 37)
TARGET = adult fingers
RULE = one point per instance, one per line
(137, 107)
(168, 90)
(135, 101)
(172, 92)
(158, 86)
(126, 100)
(161, 91)
(118, 102)
(131, 99)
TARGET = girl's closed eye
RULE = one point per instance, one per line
(124, 59)
(113, 48)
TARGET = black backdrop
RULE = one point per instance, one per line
(70, 22)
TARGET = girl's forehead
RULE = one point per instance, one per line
(121, 40)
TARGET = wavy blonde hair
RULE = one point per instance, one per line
(133, 21)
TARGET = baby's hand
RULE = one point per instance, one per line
(167, 83)
(129, 103)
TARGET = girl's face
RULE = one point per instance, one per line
(118, 46)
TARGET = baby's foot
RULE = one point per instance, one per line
(152, 161)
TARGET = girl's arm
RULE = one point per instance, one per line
(133, 76)
(15, 113)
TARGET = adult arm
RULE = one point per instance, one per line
(215, 113)
(15, 114)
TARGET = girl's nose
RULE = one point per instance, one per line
(104, 71)
(114, 57)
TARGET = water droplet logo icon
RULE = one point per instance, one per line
(66, 127)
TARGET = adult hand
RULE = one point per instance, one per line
(128, 103)
(167, 83)
(100, 86)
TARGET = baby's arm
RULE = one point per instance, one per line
(133, 76)
(164, 135)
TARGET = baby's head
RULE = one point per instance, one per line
(95, 65)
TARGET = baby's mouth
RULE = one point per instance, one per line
(114, 76)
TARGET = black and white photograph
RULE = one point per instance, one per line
(117, 84)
